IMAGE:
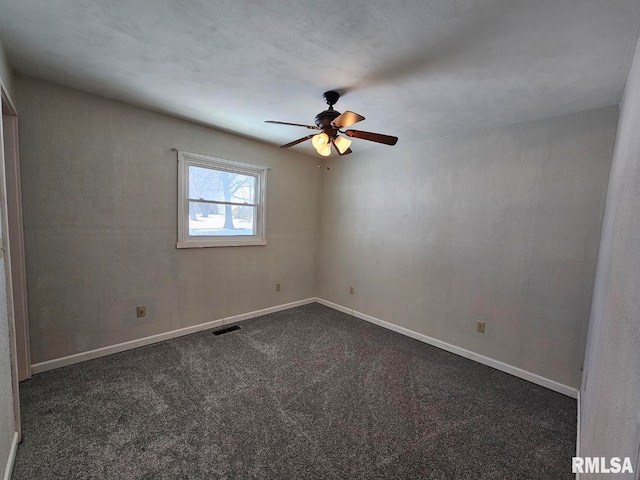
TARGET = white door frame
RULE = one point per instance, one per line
(8, 110)
(16, 238)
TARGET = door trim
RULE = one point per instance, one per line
(16, 240)
(9, 109)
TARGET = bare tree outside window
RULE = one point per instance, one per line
(227, 200)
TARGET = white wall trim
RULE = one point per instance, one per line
(335, 306)
(579, 397)
(121, 347)
(12, 457)
(498, 365)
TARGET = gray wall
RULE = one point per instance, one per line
(6, 75)
(100, 202)
(7, 427)
(611, 387)
(502, 226)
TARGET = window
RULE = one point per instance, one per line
(220, 203)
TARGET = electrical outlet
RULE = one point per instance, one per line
(352, 290)
(141, 311)
(480, 327)
(277, 287)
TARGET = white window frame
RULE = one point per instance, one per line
(186, 160)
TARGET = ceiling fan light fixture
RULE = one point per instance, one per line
(325, 150)
(319, 141)
(342, 144)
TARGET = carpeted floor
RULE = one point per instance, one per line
(308, 393)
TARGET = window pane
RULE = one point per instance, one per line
(221, 203)
(217, 185)
(207, 219)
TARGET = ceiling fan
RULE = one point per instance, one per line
(331, 122)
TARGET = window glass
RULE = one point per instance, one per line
(221, 203)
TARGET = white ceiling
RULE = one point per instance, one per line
(415, 69)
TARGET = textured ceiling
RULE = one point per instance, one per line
(415, 69)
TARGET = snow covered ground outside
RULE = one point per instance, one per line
(213, 225)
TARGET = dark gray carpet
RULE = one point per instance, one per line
(308, 393)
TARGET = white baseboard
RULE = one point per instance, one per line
(121, 347)
(498, 365)
(12, 457)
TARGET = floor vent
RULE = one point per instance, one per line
(226, 330)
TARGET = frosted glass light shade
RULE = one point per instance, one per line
(342, 144)
(320, 140)
(325, 151)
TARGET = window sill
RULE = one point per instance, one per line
(219, 243)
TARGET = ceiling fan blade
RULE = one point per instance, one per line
(347, 119)
(346, 152)
(296, 142)
(374, 137)
(312, 127)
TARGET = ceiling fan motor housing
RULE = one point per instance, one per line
(324, 119)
